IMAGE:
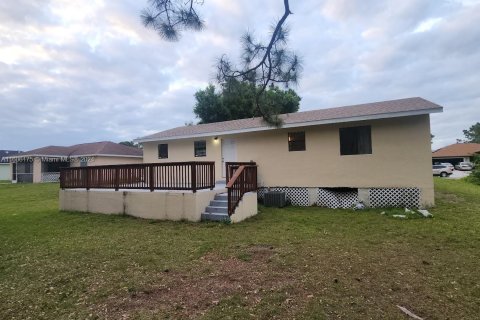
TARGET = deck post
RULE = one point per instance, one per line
(87, 178)
(151, 182)
(212, 176)
(117, 178)
(193, 171)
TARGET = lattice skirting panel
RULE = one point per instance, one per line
(332, 198)
(296, 196)
(395, 197)
(348, 198)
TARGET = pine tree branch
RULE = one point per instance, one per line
(263, 64)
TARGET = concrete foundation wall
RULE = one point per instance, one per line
(247, 208)
(148, 205)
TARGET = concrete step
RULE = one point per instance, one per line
(221, 197)
(213, 209)
(215, 217)
(217, 210)
(219, 203)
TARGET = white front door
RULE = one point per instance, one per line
(229, 153)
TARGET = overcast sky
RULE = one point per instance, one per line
(83, 71)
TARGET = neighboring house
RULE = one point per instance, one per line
(378, 153)
(5, 166)
(43, 164)
(456, 153)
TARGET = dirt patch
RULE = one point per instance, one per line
(189, 294)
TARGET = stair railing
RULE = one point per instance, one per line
(230, 168)
(243, 180)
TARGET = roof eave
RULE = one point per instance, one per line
(455, 156)
(301, 124)
(72, 156)
(107, 155)
(36, 155)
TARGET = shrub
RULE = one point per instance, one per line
(474, 177)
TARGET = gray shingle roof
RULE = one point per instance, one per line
(339, 114)
(7, 153)
(86, 149)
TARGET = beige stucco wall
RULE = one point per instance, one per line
(247, 208)
(37, 170)
(105, 161)
(183, 150)
(5, 171)
(401, 156)
(148, 205)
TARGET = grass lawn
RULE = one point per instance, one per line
(304, 263)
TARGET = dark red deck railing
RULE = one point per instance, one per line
(230, 168)
(244, 179)
(194, 175)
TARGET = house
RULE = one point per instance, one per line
(456, 153)
(378, 153)
(5, 165)
(43, 164)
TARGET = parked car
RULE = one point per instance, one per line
(464, 166)
(441, 170)
(448, 165)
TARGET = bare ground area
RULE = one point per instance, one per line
(192, 293)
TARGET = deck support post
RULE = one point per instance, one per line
(117, 179)
(87, 178)
(151, 176)
(212, 176)
(193, 171)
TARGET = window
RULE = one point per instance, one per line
(355, 140)
(55, 166)
(296, 141)
(200, 148)
(163, 151)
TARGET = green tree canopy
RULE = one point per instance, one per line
(473, 133)
(236, 100)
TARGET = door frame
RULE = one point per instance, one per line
(233, 143)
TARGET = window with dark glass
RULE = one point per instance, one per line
(355, 140)
(296, 141)
(55, 166)
(163, 151)
(200, 148)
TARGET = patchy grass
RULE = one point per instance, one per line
(310, 263)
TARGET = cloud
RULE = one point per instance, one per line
(72, 73)
(427, 25)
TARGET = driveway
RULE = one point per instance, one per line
(457, 174)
